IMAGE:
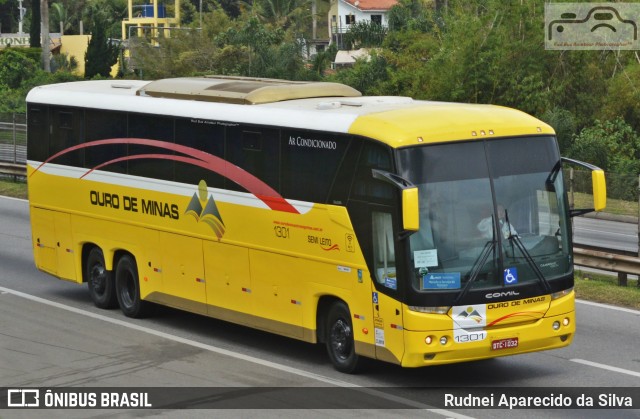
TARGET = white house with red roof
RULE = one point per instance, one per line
(344, 13)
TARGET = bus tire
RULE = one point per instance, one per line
(339, 338)
(100, 280)
(128, 289)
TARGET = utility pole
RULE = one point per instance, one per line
(22, 11)
(44, 33)
(314, 13)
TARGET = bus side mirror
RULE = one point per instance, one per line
(410, 209)
(410, 206)
(599, 190)
(598, 185)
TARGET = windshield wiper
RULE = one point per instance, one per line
(514, 238)
(476, 268)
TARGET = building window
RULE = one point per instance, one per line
(377, 19)
(350, 19)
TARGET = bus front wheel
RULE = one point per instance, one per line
(100, 280)
(339, 338)
(128, 288)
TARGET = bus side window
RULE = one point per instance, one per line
(373, 156)
(343, 181)
(309, 164)
(154, 128)
(38, 133)
(384, 258)
(66, 130)
(257, 151)
(205, 136)
(105, 125)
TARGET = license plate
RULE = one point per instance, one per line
(504, 344)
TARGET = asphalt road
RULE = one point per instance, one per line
(52, 336)
(606, 234)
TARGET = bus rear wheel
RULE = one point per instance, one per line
(128, 289)
(339, 338)
(100, 280)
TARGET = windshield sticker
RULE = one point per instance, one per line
(510, 276)
(391, 283)
(469, 317)
(441, 281)
(425, 258)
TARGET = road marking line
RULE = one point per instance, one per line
(623, 309)
(248, 358)
(14, 199)
(606, 367)
(608, 232)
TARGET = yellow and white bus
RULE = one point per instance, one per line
(375, 225)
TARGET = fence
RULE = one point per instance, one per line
(622, 186)
(13, 144)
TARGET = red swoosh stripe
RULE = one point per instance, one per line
(202, 159)
(520, 313)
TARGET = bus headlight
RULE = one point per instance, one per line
(443, 340)
(430, 310)
(560, 294)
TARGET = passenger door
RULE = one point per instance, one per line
(373, 206)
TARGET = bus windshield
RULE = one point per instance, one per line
(493, 216)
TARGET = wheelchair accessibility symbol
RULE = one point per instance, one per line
(510, 276)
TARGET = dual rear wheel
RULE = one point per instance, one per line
(120, 287)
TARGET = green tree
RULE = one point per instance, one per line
(18, 75)
(60, 17)
(101, 55)
(607, 144)
(623, 96)
(364, 34)
(614, 147)
(109, 12)
(15, 68)
(410, 15)
(284, 13)
(34, 30)
(368, 75)
(564, 123)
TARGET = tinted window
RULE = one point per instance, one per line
(256, 151)
(153, 128)
(207, 136)
(66, 130)
(373, 156)
(344, 178)
(105, 125)
(310, 161)
(38, 133)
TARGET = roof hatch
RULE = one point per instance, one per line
(243, 90)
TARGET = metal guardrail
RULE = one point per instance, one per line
(620, 262)
(13, 145)
(13, 169)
